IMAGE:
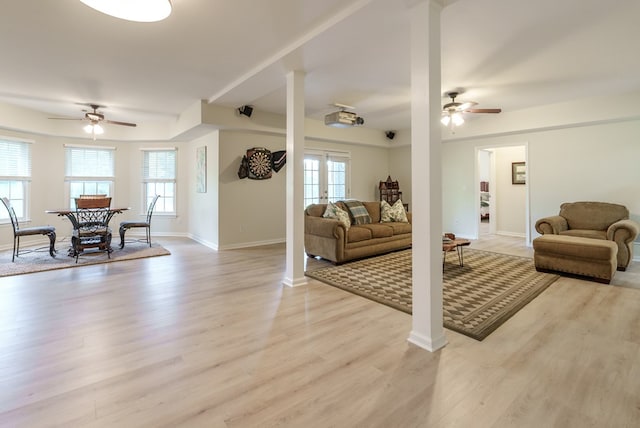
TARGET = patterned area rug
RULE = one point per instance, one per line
(41, 260)
(478, 297)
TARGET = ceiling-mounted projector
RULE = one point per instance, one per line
(343, 119)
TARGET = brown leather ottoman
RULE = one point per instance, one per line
(587, 257)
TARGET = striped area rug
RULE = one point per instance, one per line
(478, 297)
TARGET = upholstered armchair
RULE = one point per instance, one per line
(597, 220)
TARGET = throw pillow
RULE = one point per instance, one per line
(358, 212)
(393, 213)
(334, 211)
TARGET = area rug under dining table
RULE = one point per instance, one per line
(41, 260)
(477, 297)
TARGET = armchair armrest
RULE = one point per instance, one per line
(320, 226)
(552, 225)
(623, 231)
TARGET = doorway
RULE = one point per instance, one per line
(502, 202)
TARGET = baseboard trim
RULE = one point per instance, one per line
(251, 244)
(513, 234)
(427, 343)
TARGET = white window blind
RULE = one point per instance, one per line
(159, 165)
(89, 162)
(15, 161)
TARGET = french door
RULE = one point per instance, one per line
(326, 177)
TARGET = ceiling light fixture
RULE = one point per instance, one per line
(452, 119)
(94, 129)
(133, 10)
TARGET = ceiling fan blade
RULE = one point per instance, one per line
(115, 122)
(484, 110)
(65, 118)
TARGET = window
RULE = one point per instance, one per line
(89, 171)
(326, 177)
(159, 178)
(15, 176)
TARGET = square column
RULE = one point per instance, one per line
(426, 176)
(294, 273)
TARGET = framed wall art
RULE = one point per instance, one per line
(518, 173)
(201, 169)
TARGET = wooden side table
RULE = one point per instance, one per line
(454, 245)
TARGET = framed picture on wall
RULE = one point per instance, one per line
(518, 173)
(201, 169)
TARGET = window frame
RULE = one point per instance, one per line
(71, 179)
(12, 174)
(146, 180)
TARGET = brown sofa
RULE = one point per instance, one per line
(596, 220)
(329, 239)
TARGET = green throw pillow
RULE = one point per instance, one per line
(359, 213)
(334, 211)
(395, 213)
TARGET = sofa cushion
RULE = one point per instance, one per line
(316, 210)
(335, 212)
(359, 214)
(379, 230)
(594, 234)
(592, 215)
(399, 228)
(358, 233)
(389, 213)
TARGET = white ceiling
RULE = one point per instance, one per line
(511, 54)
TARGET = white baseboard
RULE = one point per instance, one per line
(513, 234)
(251, 244)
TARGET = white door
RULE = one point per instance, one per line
(326, 178)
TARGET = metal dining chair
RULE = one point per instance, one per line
(126, 225)
(18, 232)
(91, 226)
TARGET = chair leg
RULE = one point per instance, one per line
(16, 244)
(52, 244)
(122, 232)
(149, 235)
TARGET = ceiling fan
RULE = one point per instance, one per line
(95, 118)
(452, 112)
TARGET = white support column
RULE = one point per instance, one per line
(294, 274)
(426, 176)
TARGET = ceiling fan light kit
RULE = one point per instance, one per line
(94, 129)
(133, 10)
(95, 118)
(452, 111)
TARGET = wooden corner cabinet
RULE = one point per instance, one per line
(390, 192)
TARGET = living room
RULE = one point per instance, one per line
(254, 352)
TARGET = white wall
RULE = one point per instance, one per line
(400, 169)
(48, 185)
(203, 208)
(251, 212)
(509, 199)
(598, 162)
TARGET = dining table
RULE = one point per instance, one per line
(72, 215)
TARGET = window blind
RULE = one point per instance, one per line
(15, 161)
(89, 162)
(159, 165)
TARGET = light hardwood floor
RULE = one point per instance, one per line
(212, 339)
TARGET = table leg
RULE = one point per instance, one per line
(460, 255)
